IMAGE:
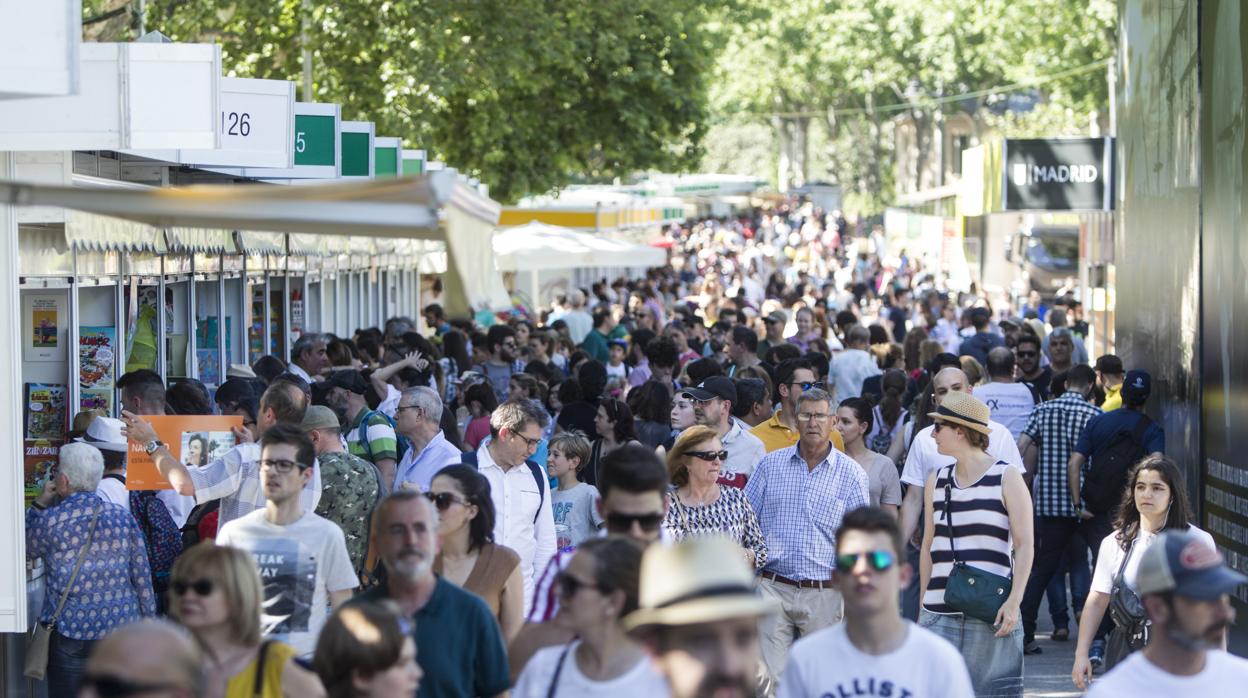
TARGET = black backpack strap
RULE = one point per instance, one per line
(115, 476)
(540, 477)
(257, 689)
(469, 458)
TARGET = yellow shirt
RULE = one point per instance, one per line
(775, 435)
(242, 684)
(1113, 399)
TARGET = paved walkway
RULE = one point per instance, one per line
(1047, 675)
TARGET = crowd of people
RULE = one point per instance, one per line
(791, 463)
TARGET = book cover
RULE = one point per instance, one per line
(97, 351)
(45, 411)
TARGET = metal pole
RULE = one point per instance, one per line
(161, 330)
(268, 310)
(222, 359)
(286, 332)
(123, 327)
(72, 353)
(192, 324)
(244, 315)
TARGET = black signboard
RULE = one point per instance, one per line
(1058, 174)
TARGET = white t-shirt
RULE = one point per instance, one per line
(848, 370)
(923, 458)
(642, 681)
(113, 490)
(1011, 404)
(1109, 558)
(826, 663)
(299, 565)
(1224, 675)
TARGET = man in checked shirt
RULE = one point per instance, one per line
(800, 495)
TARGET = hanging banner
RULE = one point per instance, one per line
(1059, 174)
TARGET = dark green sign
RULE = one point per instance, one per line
(355, 155)
(314, 140)
(387, 161)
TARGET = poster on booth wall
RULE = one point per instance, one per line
(43, 324)
(39, 458)
(193, 440)
(97, 349)
(45, 411)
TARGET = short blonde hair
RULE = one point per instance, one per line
(234, 571)
(572, 444)
(678, 457)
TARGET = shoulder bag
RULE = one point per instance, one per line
(554, 680)
(1131, 625)
(970, 590)
(41, 635)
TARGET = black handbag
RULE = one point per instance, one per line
(970, 590)
(1131, 624)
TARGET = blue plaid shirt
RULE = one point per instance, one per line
(114, 586)
(1055, 427)
(799, 509)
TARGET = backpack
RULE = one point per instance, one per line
(1102, 488)
(161, 535)
(190, 532)
(882, 439)
(403, 443)
(470, 458)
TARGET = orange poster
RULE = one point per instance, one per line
(194, 440)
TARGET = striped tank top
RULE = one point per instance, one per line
(981, 529)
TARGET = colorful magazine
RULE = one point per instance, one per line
(45, 411)
(97, 350)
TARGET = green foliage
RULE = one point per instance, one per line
(523, 94)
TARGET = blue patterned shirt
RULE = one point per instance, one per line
(800, 510)
(114, 586)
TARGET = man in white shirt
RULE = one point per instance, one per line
(712, 406)
(523, 518)
(578, 321)
(419, 418)
(308, 356)
(143, 393)
(852, 366)
(874, 651)
(107, 435)
(302, 557)
(923, 459)
(1011, 402)
(1185, 587)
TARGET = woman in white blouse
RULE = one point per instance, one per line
(1154, 500)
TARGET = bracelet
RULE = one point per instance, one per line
(38, 506)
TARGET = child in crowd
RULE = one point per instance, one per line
(575, 503)
(617, 370)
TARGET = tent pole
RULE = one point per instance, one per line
(12, 470)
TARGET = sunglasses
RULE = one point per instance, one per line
(878, 560)
(1028, 354)
(710, 455)
(444, 500)
(810, 384)
(116, 687)
(201, 587)
(569, 585)
(623, 523)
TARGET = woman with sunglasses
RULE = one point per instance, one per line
(978, 512)
(596, 590)
(367, 650)
(216, 594)
(467, 555)
(699, 506)
(854, 419)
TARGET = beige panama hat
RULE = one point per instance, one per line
(965, 410)
(696, 581)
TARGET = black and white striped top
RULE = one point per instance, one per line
(981, 529)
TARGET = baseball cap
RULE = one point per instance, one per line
(319, 417)
(711, 388)
(776, 316)
(1010, 323)
(105, 433)
(1137, 384)
(347, 379)
(1109, 364)
(1180, 562)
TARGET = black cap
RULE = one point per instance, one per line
(1109, 364)
(713, 387)
(348, 379)
(235, 390)
(1138, 384)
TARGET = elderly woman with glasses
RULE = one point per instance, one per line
(467, 555)
(217, 595)
(596, 590)
(699, 506)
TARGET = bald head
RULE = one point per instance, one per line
(947, 380)
(153, 653)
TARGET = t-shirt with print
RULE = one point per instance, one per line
(1138, 677)
(351, 488)
(535, 681)
(576, 514)
(826, 663)
(382, 441)
(299, 565)
(1010, 404)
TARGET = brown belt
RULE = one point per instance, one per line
(799, 583)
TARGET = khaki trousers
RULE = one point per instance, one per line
(802, 612)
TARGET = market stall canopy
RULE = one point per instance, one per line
(438, 206)
(537, 246)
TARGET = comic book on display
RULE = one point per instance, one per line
(39, 458)
(97, 348)
(45, 411)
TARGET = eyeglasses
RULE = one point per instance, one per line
(809, 384)
(444, 500)
(400, 408)
(116, 687)
(878, 560)
(569, 585)
(281, 466)
(1028, 354)
(623, 523)
(532, 443)
(201, 587)
(710, 455)
(812, 416)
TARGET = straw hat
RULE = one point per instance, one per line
(965, 410)
(696, 581)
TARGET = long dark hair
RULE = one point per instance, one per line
(893, 384)
(476, 490)
(622, 417)
(455, 347)
(861, 407)
(1180, 514)
(651, 402)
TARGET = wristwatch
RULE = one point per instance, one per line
(152, 446)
